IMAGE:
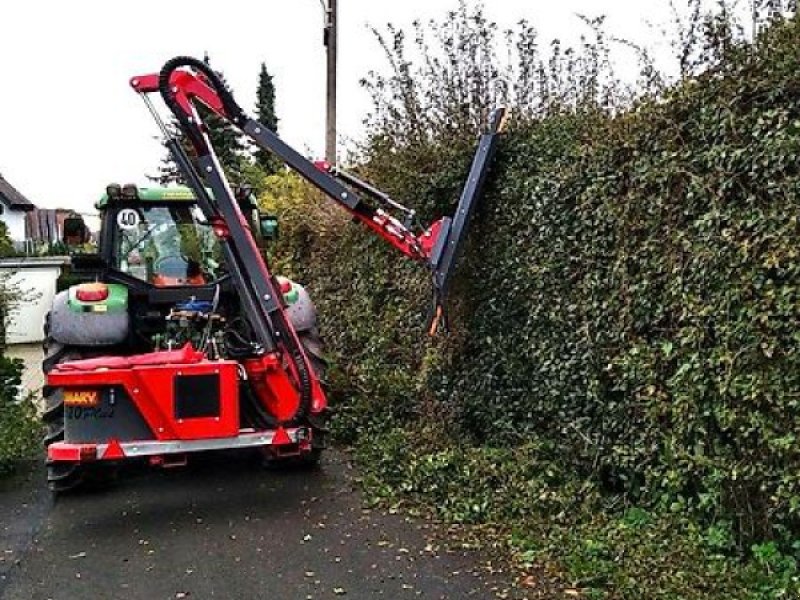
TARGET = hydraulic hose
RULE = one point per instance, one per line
(192, 130)
(295, 350)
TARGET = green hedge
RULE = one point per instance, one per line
(636, 296)
(630, 302)
(20, 432)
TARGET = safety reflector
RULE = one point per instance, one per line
(286, 285)
(113, 451)
(87, 452)
(281, 438)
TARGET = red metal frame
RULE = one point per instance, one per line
(280, 442)
(150, 388)
(283, 379)
(188, 87)
(275, 390)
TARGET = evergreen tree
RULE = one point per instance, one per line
(265, 113)
(6, 245)
(168, 171)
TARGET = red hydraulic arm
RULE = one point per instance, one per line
(187, 87)
(185, 81)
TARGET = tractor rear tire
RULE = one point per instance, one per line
(61, 476)
(315, 351)
(313, 347)
(64, 476)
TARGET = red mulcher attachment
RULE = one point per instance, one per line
(164, 405)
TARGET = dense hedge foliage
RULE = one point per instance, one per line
(623, 378)
(20, 432)
(637, 299)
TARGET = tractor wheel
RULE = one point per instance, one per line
(63, 476)
(314, 349)
(312, 344)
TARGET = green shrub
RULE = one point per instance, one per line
(20, 433)
(6, 245)
(556, 520)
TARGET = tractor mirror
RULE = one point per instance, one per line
(75, 231)
(269, 227)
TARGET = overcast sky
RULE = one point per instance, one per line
(70, 124)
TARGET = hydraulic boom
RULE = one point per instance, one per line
(185, 81)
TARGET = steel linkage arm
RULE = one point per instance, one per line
(184, 81)
(184, 87)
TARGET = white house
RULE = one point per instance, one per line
(13, 207)
(34, 278)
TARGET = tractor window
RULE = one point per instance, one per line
(167, 245)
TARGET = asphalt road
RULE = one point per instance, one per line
(225, 528)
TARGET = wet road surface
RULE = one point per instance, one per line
(224, 528)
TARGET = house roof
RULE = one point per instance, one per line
(12, 198)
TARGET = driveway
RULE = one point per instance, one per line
(224, 527)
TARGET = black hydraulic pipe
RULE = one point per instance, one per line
(259, 294)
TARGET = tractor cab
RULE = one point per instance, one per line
(166, 245)
(159, 236)
(161, 278)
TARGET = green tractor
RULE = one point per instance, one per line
(158, 281)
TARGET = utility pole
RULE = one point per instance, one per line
(332, 45)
